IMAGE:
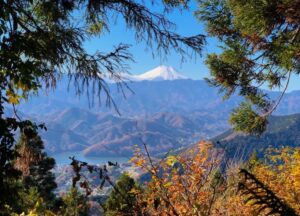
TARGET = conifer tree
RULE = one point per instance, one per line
(260, 46)
(122, 200)
(75, 203)
(36, 167)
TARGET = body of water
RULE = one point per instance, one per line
(64, 158)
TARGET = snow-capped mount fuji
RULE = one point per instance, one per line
(159, 73)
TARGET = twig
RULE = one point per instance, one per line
(280, 97)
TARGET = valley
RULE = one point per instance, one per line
(161, 107)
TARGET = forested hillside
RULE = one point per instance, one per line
(106, 134)
(282, 131)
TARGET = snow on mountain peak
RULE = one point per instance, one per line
(160, 73)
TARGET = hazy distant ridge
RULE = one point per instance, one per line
(163, 108)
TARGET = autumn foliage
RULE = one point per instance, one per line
(202, 182)
(281, 173)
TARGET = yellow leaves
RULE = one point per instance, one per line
(32, 213)
(139, 162)
(46, 213)
(49, 213)
(12, 97)
(185, 188)
(167, 184)
(17, 91)
(134, 191)
(283, 175)
(38, 209)
(138, 158)
(22, 86)
(189, 187)
(171, 160)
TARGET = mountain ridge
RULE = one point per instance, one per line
(281, 131)
(107, 132)
(178, 111)
(160, 73)
(150, 97)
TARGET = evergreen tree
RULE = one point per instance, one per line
(260, 42)
(36, 167)
(75, 204)
(122, 200)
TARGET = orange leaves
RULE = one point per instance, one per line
(138, 159)
(139, 162)
(283, 175)
(180, 184)
(191, 183)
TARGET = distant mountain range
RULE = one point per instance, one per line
(159, 73)
(281, 131)
(159, 90)
(111, 135)
(162, 108)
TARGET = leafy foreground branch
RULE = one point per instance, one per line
(260, 47)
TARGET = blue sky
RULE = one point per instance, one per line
(187, 25)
